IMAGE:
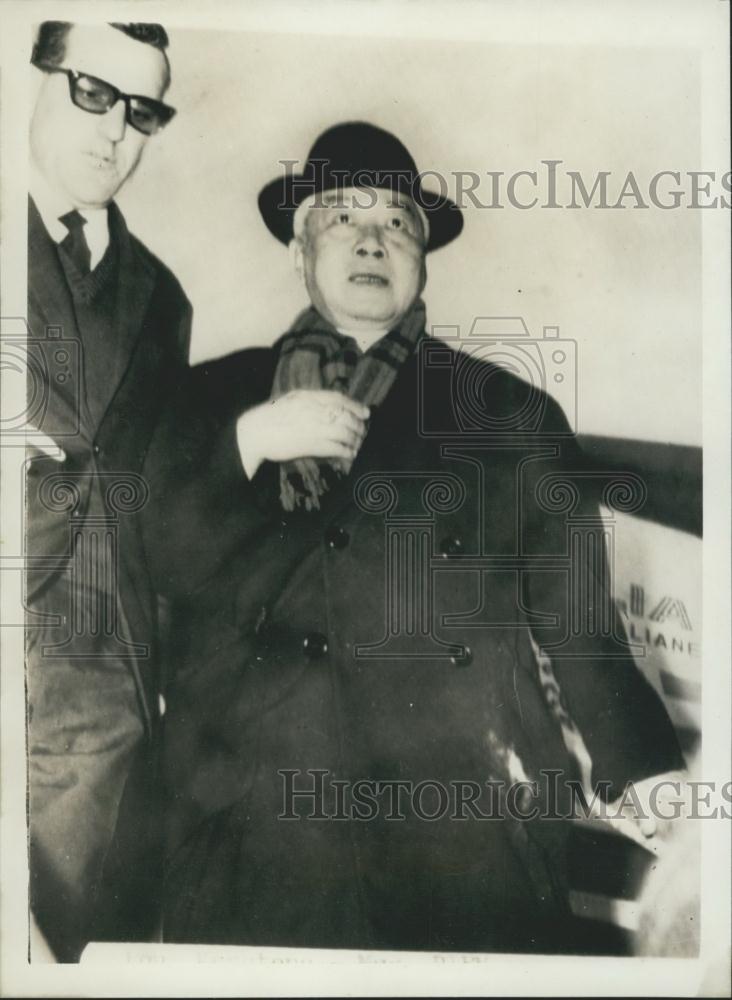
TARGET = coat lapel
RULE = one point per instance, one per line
(135, 285)
(52, 324)
(48, 293)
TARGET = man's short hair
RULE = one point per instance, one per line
(50, 44)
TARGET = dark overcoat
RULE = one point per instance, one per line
(385, 638)
(104, 448)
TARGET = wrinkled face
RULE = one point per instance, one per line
(87, 157)
(362, 258)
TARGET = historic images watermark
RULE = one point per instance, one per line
(534, 441)
(316, 794)
(549, 184)
(465, 363)
(46, 368)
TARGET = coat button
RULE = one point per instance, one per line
(315, 645)
(450, 546)
(337, 538)
(463, 659)
(97, 449)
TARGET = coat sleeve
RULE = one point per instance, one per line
(574, 619)
(203, 509)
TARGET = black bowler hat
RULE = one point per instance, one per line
(357, 154)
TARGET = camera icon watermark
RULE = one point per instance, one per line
(473, 370)
(74, 543)
(42, 375)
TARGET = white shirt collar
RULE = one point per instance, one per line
(364, 339)
(51, 206)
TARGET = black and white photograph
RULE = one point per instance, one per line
(365, 561)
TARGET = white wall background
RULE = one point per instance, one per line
(625, 284)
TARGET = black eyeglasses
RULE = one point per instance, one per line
(97, 97)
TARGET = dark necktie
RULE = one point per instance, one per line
(74, 243)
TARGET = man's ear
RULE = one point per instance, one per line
(297, 256)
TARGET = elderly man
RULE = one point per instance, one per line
(358, 708)
(109, 329)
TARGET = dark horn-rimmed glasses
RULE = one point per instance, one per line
(97, 97)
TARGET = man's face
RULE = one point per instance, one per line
(362, 258)
(87, 157)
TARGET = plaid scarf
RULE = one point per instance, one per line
(313, 355)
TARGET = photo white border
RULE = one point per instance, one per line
(702, 24)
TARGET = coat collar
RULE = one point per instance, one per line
(135, 286)
(47, 289)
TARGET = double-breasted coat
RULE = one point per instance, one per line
(385, 637)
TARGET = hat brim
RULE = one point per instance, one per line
(279, 200)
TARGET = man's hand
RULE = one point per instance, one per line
(304, 423)
(38, 443)
(649, 804)
(646, 809)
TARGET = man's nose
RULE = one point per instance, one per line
(369, 243)
(112, 124)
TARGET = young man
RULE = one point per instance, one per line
(109, 329)
(366, 582)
